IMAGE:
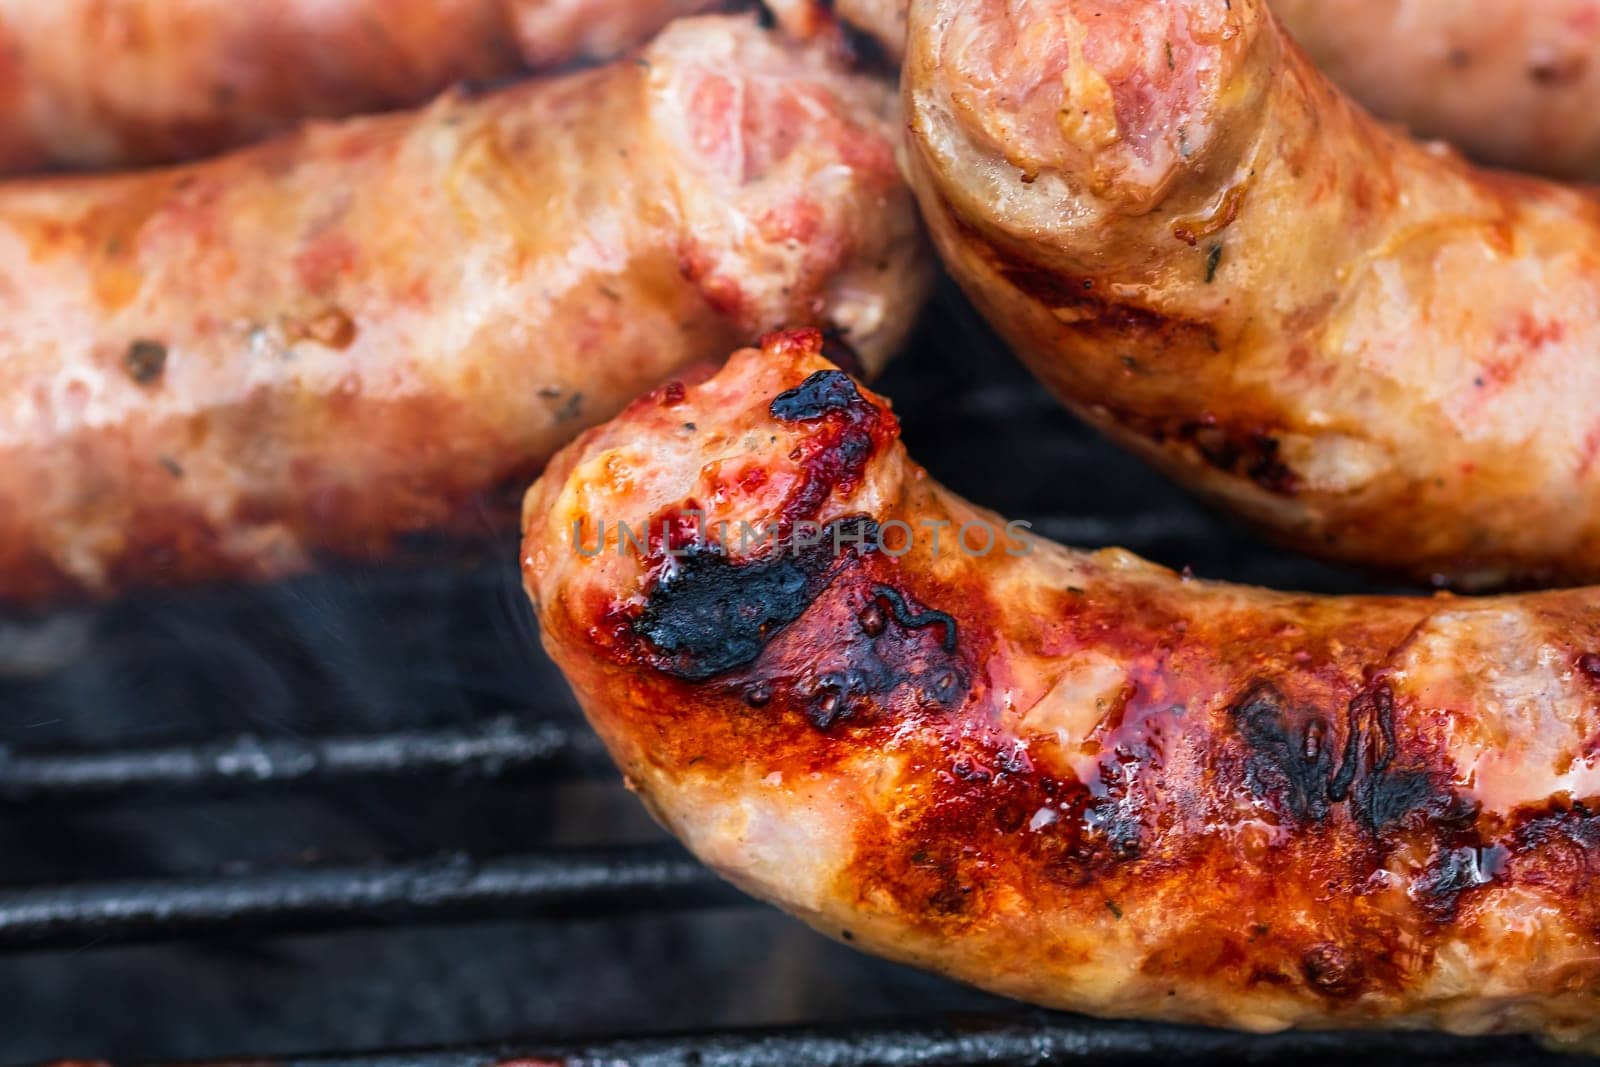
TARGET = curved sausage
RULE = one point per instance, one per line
(1511, 84)
(334, 340)
(103, 83)
(1372, 349)
(1073, 778)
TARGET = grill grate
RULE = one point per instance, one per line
(1020, 1040)
(502, 747)
(557, 884)
(220, 782)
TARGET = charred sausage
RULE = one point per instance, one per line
(1369, 347)
(101, 83)
(1078, 779)
(325, 343)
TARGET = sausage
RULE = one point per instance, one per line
(1072, 778)
(334, 341)
(103, 83)
(1512, 84)
(1375, 351)
(879, 25)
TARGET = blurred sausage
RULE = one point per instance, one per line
(879, 23)
(1374, 350)
(228, 369)
(104, 83)
(1514, 84)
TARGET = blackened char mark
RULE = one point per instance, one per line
(1383, 796)
(1556, 848)
(1573, 828)
(861, 663)
(1454, 870)
(914, 620)
(1111, 823)
(1289, 762)
(878, 669)
(1255, 454)
(1248, 451)
(708, 615)
(872, 682)
(843, 429)
(824, 392)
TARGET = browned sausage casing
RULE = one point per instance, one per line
(1073, 778)
(100, 83)
(1373, 349)
(229, 368)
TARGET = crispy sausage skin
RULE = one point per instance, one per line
(99, 83)
(1513, 84)
(316, 346)
(1074, 778)
(1372, 349)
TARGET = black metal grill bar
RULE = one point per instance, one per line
(499, 748)
(558, 883)
(1030, 1039)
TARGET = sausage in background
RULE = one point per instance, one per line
(109, 83)
(1510, 83)
(333, 340)
(1374, 350)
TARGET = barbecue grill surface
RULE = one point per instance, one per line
(319, 815)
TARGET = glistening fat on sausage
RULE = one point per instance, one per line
(314, 347)
(1078, 779)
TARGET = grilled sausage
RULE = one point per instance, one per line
(1512, 84)
(1077, 779)
(100, 83)
(1372, 349)
(334, 340)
